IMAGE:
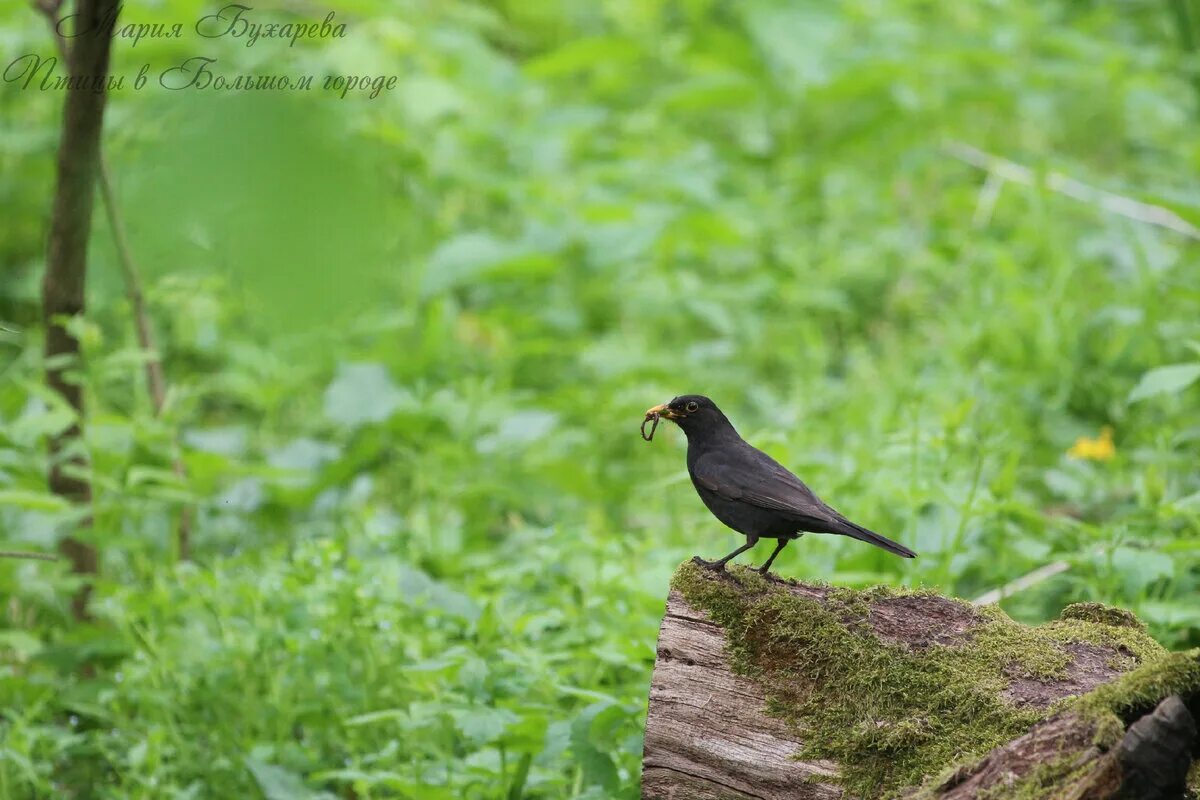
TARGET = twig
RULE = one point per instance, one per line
(988, 196)
(155, 379)
(145, 334)
(1022, 583)
(24, 554)
(1077, 190)
(133, 289)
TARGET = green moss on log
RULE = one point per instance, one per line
(889, 714)
(1041, 782)
(1139, 691)
(1105, 615)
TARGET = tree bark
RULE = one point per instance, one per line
(710, 733)
(63, 286)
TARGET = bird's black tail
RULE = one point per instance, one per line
(871, 537)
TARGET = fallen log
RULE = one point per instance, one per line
(766, 689)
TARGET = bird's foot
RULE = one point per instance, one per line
(715, 566)
(764, 570)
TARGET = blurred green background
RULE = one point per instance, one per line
(409, 341)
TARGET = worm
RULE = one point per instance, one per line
(653, 427)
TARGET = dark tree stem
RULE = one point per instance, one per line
(65, 279)
(156, 380)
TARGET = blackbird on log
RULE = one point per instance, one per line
(747, 489)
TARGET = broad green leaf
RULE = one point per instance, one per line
(419, 588)
(1139, 568)
(583, 53)
(304, 454)
(229, 440)
(518, 430)
(31, 500)
(277, 783)
(22, 643)
(140, 475)
(598, 766)
(482, 724)
(427, 99)
(362, 393)
(1171, 379)
(476, 256)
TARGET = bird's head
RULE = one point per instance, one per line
(695, 413)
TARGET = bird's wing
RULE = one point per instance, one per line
(751, 476)
(747, 475)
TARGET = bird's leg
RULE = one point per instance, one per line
(765, 568)
(719, 564)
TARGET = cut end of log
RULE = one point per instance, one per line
(768, 689)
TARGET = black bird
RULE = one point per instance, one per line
(748, 490)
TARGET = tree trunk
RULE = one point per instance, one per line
(156, 380)
(66, 257)
(769, 689)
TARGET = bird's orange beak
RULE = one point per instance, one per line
(663, 411)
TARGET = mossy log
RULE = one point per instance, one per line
(766, 689)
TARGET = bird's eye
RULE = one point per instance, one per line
(692, 406)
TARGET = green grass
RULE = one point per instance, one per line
(410, 341)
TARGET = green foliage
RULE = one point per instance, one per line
(1168, 380)
(409, 341)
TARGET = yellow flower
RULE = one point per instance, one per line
(1099, 449)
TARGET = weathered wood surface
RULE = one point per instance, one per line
(1150, 763)
(708, 734)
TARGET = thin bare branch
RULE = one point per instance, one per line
(26, 554)
(988, 195)
(1111, 202)
(133, 290)
(1022, 583)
